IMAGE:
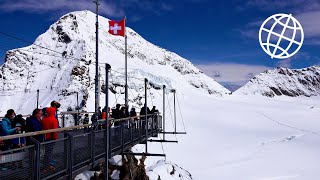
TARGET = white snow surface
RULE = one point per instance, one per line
(245, 137)
(228, 136)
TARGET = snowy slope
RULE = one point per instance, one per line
(61, 76)
(284, 81)
(245, 137)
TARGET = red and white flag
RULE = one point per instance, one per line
(117, 28)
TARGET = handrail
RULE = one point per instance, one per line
(128, 118)
(28, 115)
(42, 132)
(75, 112)
(61, 129)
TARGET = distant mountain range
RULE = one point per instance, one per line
(284, 82)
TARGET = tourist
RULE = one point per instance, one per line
(6, 127)
(47, 123)
(33, 124)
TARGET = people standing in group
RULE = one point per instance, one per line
(143, 111)
(49, 122)
(33, 124)
(116, 114)
(7, 129)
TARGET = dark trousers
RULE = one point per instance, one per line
(48, 152)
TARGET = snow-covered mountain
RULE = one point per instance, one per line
(284, 81)
(61, 76)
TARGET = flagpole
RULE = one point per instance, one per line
(97, 91)
(126, 62)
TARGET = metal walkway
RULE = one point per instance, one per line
(75, 151)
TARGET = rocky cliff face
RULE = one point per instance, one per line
(284, 82)
(64, 65)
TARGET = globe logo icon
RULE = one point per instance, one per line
(281, 36)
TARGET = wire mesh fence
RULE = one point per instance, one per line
(17, 163)
(74, 149)
(81, 149)
(53, 158)
(99, 143)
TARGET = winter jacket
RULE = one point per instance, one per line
(33, 125)
(6, 128)
(116, 113)
(50, 122)
(18, 121)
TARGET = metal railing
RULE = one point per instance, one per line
(76, 148)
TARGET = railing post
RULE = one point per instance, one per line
(164, 113)
(38, 99)
(63, 119)
(70, 156)
(107, 131)
(110, 140)
(140, 128)
(174, 107)
(152, 119)
(37, 162)
(146, 110)
(131, 126)
(77, 117)
(92, 134)
(122, 136)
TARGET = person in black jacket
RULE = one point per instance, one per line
(123, 112)
(18, 121)
(116, 114)
(33, 124)
(143, 111)
(154, 110)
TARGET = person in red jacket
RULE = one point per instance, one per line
(49, 122)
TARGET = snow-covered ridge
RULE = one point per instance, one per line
(60, 76)
(284, 81)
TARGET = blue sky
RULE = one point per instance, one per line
(218, 36)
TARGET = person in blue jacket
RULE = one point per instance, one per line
(33, 124)
(6, 129)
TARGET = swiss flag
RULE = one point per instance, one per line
(117, 28)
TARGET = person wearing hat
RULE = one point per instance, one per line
(6, 127)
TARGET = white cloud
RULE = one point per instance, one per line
(63, 6)
(232, 73)
(306, 12)
(114, 8)
(310, 23)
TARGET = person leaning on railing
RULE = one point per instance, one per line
(6, 129)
